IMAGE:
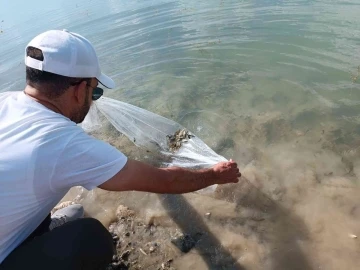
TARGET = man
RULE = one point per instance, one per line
(44, 153)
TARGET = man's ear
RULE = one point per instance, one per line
(79, 93)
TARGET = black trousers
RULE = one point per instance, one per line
(81, 244)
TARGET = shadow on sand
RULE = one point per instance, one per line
(275, 227)
(190, 222)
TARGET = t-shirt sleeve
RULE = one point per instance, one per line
(86, 161)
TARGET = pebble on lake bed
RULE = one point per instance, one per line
(142, 251)
(185, 242)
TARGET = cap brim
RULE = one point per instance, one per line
(106, 81)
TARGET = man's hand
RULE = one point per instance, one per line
(227, 172)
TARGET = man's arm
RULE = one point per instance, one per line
(173, 180)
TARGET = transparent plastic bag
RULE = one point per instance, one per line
(92, 121)
(154, 133)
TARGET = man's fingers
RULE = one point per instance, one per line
(233, 164)
(231, 161)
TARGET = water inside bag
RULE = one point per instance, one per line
(152, 132)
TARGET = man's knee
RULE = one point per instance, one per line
(94, 243)
(81, 244)
(96, 235)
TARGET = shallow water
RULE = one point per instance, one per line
(271, 84)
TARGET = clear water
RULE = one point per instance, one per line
(271, 84)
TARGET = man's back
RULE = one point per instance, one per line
(25, 194)
(38, 164)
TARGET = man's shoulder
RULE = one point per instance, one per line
(7, 94)
(23, 119)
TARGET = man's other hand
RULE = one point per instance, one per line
(226, 172)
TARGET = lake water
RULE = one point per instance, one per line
(274, 85)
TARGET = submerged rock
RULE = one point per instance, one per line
(185, 242)
(125, 255)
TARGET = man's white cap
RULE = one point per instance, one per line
(67, 54)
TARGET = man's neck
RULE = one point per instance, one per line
(35, 94)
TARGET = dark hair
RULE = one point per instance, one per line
(49, 84)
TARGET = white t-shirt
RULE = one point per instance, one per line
(42, 155)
